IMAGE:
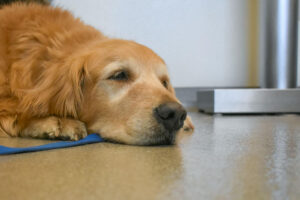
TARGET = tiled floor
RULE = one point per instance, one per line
(228, 157)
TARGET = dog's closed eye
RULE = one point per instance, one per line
(165, 84)
(120, 76)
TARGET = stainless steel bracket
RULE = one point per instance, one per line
(239, 101)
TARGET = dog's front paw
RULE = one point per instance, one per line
(187, 129)
(72, 129)
(55, 128)
(188, 126)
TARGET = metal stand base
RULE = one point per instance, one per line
(235, 101)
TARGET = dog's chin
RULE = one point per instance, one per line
(158, 137)
(153, 135)
(146, 139)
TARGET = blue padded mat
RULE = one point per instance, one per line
(92, 138)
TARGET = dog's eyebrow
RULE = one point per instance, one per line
(161, 71)
(164, 78)
(113, 67)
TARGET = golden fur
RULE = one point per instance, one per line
(54, 79)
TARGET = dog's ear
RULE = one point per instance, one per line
(68, 100)
(57, 91)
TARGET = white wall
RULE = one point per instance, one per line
(204, 42)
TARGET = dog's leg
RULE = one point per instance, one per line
(8, 126)
(54, 128)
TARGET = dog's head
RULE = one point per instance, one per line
(126, 94)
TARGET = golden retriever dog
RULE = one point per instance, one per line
(63, 79)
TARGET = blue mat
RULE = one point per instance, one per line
(92, 138)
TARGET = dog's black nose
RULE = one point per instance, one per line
(171, 115)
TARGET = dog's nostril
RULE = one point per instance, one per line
(171, 115)
(167, 114)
